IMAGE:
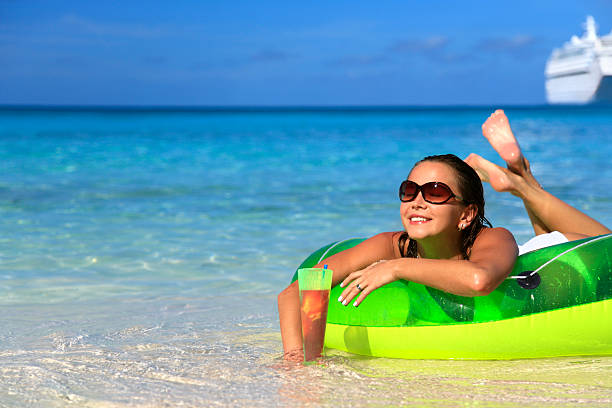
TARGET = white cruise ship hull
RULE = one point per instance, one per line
(576, 88)
(590, 83)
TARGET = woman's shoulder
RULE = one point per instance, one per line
(385, 242)
(496, 231)
(494, 236)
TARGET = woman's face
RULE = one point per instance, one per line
(425, 220)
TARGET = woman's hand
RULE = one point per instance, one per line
(297, 356)
(364, 281)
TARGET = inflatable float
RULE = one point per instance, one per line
(556, 302)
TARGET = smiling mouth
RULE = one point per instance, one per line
(418, 220)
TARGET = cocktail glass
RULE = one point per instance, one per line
(315, 284)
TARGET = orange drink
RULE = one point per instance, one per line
(315, 284)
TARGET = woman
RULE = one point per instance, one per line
(445, 245)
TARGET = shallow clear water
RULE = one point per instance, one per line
(142, 252)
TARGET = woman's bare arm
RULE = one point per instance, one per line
(491, 260)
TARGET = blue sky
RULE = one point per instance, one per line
(284, 53)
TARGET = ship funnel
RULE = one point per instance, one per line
(591, 28)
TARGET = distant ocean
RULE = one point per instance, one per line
(142, 250)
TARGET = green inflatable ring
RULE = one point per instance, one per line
(556, 302)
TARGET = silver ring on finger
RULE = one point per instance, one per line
(359, 287)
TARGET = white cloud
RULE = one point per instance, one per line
(507, 44)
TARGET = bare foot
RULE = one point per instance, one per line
(497, 131)
(504, 180)
(500, 178)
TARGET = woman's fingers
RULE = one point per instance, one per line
(355, 290)
(294, 355)
(365, 292)
(350, 278)
(349, 283)
(356, 284)
(361, 283)
(349, 293)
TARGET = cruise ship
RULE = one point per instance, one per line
(580, 72)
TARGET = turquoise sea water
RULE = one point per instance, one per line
(142, 250)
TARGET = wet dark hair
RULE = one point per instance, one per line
(470, 190)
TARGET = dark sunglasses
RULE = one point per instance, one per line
(433, 192)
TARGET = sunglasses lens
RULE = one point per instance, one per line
(408, 190)
(436, 193)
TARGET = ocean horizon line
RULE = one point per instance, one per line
(286, 108)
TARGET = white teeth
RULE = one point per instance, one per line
(418, 219)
